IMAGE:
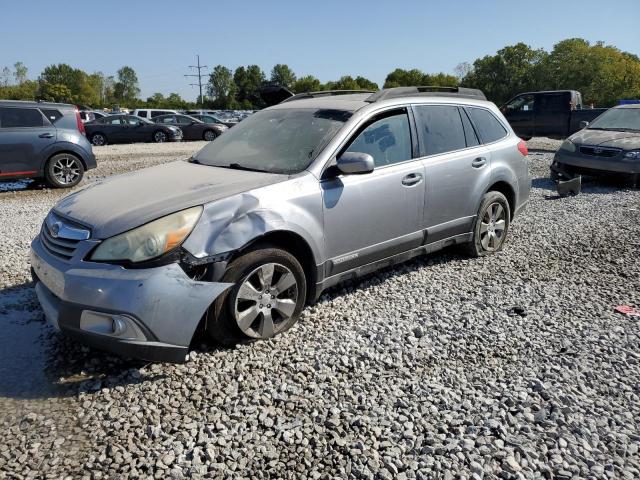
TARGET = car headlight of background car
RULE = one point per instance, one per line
(149, 241)
(633, 155)
(568, 145)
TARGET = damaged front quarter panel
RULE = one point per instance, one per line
(229, 224)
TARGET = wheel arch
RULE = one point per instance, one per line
(292, 243)
(507, 190)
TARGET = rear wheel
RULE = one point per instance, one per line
(64, 171)
(159, 137)
(98, 139)
(209, 135)
(491, 225)
(266, 300)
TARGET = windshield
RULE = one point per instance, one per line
(621, 119)
(276, 141)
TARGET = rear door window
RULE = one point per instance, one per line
(486, 124)
(142, 113)
(20, 117)
(387, 140)
(440, 129)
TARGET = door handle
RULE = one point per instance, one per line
(411, 179)
(46, 135)
(479, 162)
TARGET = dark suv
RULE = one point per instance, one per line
(43, 140)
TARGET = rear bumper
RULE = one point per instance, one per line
(144, 313)
(580, 163)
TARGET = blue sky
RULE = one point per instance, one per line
(159, 38)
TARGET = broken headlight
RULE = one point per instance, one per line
(568, 145)
(149, 241)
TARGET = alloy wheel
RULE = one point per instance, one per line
(209, 136)
(160, 137)
(266, 299)
(98, 140)
(66, 170)
(493, 227)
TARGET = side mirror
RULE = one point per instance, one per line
(584, 124)
(355, 163)
(140, 124)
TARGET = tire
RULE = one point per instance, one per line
(239, 316)
(159, 136)
(63, 171)
(209, 135)
(491, 225)
(98, 139)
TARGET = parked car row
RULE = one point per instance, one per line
(163, 128)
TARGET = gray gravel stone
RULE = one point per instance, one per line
(422, 371)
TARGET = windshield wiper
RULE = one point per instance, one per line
(237, 166)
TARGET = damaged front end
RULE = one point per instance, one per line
(149, 312)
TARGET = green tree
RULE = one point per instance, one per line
(156, 100)
(248, 81)
(282, 75)
(512, 69)
(20, 72)
(55, 92)
(404, 78)
(126, 88)
(347, 82)
(222, 88)
(308, 83)
(27, 90)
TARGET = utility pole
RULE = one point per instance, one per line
(199, 75)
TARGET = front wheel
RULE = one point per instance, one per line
(491, 225)
(159, 137)
(63, 171)
(266, 300)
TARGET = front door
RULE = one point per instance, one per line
(368, 217)
(24, 135)
(520, 113)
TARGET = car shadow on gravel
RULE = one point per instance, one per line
(20, 186)
(36, 362)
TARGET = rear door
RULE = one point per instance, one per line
(375, 215)
(24, 136)
(457, 168)
(552, 114)
(191, 131)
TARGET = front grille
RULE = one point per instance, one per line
(60, 247)
(600, 151)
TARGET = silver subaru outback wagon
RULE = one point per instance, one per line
(298, 197)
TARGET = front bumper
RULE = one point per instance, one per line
(588, 164)
(144, 313)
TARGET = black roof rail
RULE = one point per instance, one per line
(426, 90)
(324, 93)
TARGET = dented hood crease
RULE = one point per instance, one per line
(127, 201)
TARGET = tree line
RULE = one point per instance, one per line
(603, 73)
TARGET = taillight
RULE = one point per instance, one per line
(80, 124)
(522, 148)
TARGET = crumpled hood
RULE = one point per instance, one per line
(607, 138)
(126, 201)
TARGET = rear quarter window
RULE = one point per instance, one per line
(20, 117)
(487, 125)
(51, 114)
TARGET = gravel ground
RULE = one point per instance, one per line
(514, 366)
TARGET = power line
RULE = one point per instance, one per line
(199, 75)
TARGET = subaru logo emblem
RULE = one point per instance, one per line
(597, 150)
(55, 229)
